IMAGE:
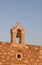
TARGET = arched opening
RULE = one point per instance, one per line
(18, 36)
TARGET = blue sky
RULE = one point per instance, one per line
(28, 13)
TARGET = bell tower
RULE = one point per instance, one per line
(18, 32)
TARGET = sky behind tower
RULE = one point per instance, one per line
(28, 13)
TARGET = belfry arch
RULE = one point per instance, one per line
(18, 32)
(18, 35)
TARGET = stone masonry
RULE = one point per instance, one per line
(19, 53)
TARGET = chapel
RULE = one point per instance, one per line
(17, 52)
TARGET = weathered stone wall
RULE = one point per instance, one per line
(29, 54)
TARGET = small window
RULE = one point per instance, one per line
(19, 56)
